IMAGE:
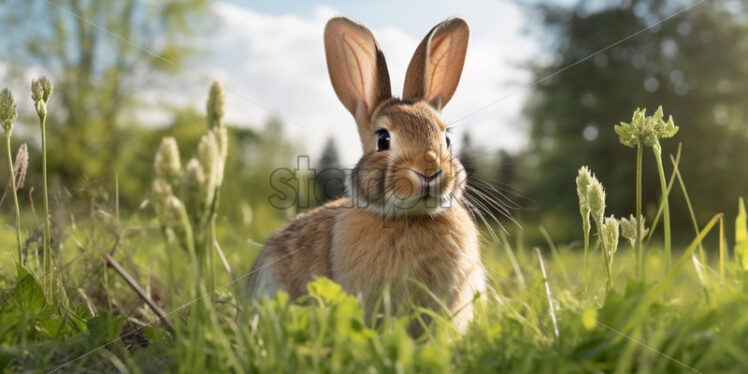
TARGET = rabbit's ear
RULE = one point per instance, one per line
(436, 66)
(356, 65)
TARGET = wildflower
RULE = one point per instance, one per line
(41, 91)
(583, 185)
(208, 155)
(628, 229)
(177, 221)
(20, 165)
(8, 115)
(741, 237)
(160, 192)
(193, 184)
(8, 112)
(596, 198)
(645, 130)
(214, 107)
(222, 138)
(167, 162)
(610, 236)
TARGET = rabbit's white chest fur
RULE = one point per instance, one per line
(409, 254)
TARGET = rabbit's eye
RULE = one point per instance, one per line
(449, 142)
(383, 140)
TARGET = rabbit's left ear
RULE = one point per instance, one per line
(435, 69)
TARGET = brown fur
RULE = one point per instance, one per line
(397, 229)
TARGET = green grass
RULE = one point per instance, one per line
(591, 311)
(325, 331)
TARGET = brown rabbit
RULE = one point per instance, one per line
(404, 224)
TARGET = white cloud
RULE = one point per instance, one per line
(275, 64)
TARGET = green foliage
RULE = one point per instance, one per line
(689, 64)
(28, 293)
(97, 75)
(104, 328)
(661, 326)
(741, 237)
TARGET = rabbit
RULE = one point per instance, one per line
(404, 225)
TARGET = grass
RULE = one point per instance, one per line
(539, 316)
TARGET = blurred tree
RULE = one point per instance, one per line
(329, 177)
(506, 172)
(467, 156)
(98, 54)
(693, 64)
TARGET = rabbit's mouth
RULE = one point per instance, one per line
(430, 201)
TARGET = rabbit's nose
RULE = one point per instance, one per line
(430, 156)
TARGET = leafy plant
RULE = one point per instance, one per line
(8, 115)
(646, 131)
(741, 237)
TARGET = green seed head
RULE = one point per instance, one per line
(160, 192)
(610, 236)
(583, 184)
(628, 228)
(8, 112)
(209, 157)
(193, 184)
(176, 220)
(41, 89)
(645, 130)
(21, 165)
(215, 106)
(222, 137)
(596, 198)
(167, 163)
(584, 179)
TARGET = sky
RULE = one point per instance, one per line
(270, 58)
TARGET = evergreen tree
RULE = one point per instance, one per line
(329, 177)
(467, 157)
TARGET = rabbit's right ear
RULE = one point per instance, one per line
(356, 65)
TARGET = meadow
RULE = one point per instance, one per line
(161, 288)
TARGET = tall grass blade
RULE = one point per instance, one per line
(639, 313)
(551, 309)
(701, 260)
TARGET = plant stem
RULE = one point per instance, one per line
(15, 196)
(213, 237)
(657, 149)
(609, 280)
(639, 253)
(551, 309)
(586, 227)
(47, 232)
